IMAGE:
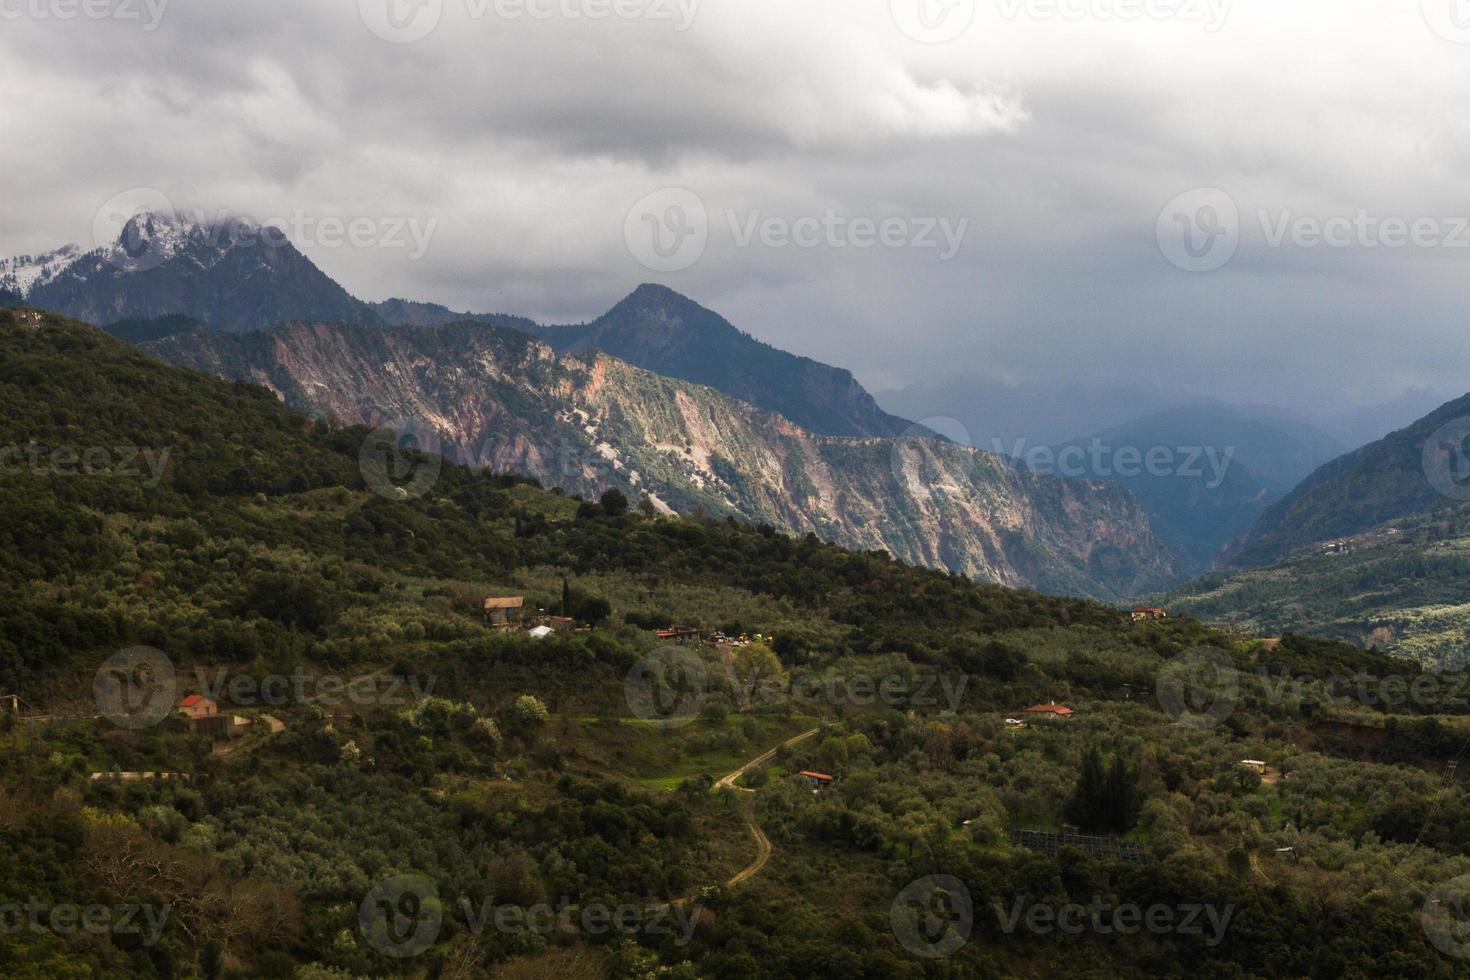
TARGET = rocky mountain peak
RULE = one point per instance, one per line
(22, 272)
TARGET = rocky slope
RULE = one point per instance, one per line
(658, 329)
(233, 276)
(500, 398)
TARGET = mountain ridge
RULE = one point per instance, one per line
(1359, 490)
(498, 397)
(656, 328)
(235, 277)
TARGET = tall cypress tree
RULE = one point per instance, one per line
(1088, 805)
(1105, 797)
(1121, 795)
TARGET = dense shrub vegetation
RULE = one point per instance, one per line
(504, 769)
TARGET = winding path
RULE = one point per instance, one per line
(762, 843)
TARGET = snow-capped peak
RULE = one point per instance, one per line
(151, 238)
(23, 273)
(134, 242)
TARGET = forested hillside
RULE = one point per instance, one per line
(1400, 587)
(420, 793)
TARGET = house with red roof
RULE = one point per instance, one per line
(197, 706)
(1055, 710)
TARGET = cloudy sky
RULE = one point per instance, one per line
(1258, 201)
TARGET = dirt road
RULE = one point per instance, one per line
(762, 843)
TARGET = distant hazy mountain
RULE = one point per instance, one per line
(1380, 482)
(1359, 426)
(499, 397)
(163, 265)
(1050, 411)
(1204, 472)
(995, 415)
(660, 330)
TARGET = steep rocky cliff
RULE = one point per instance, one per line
(501, 398)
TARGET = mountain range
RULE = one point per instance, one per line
(498, 397)
(660, 397)
(667, 400)
(165, 265)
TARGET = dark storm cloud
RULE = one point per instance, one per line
(1053, 141)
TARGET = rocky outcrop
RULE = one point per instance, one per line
(501, 398)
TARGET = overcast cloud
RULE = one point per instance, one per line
(1039, 145)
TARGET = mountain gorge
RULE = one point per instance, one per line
(1204, 472)
(1381, 482)
(498, 397)
(1372, 548)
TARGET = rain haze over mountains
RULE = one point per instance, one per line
(1025, 157)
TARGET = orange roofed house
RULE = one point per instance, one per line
(1150, 614)
(1055, 710)
(197, 706)
(503, 612)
